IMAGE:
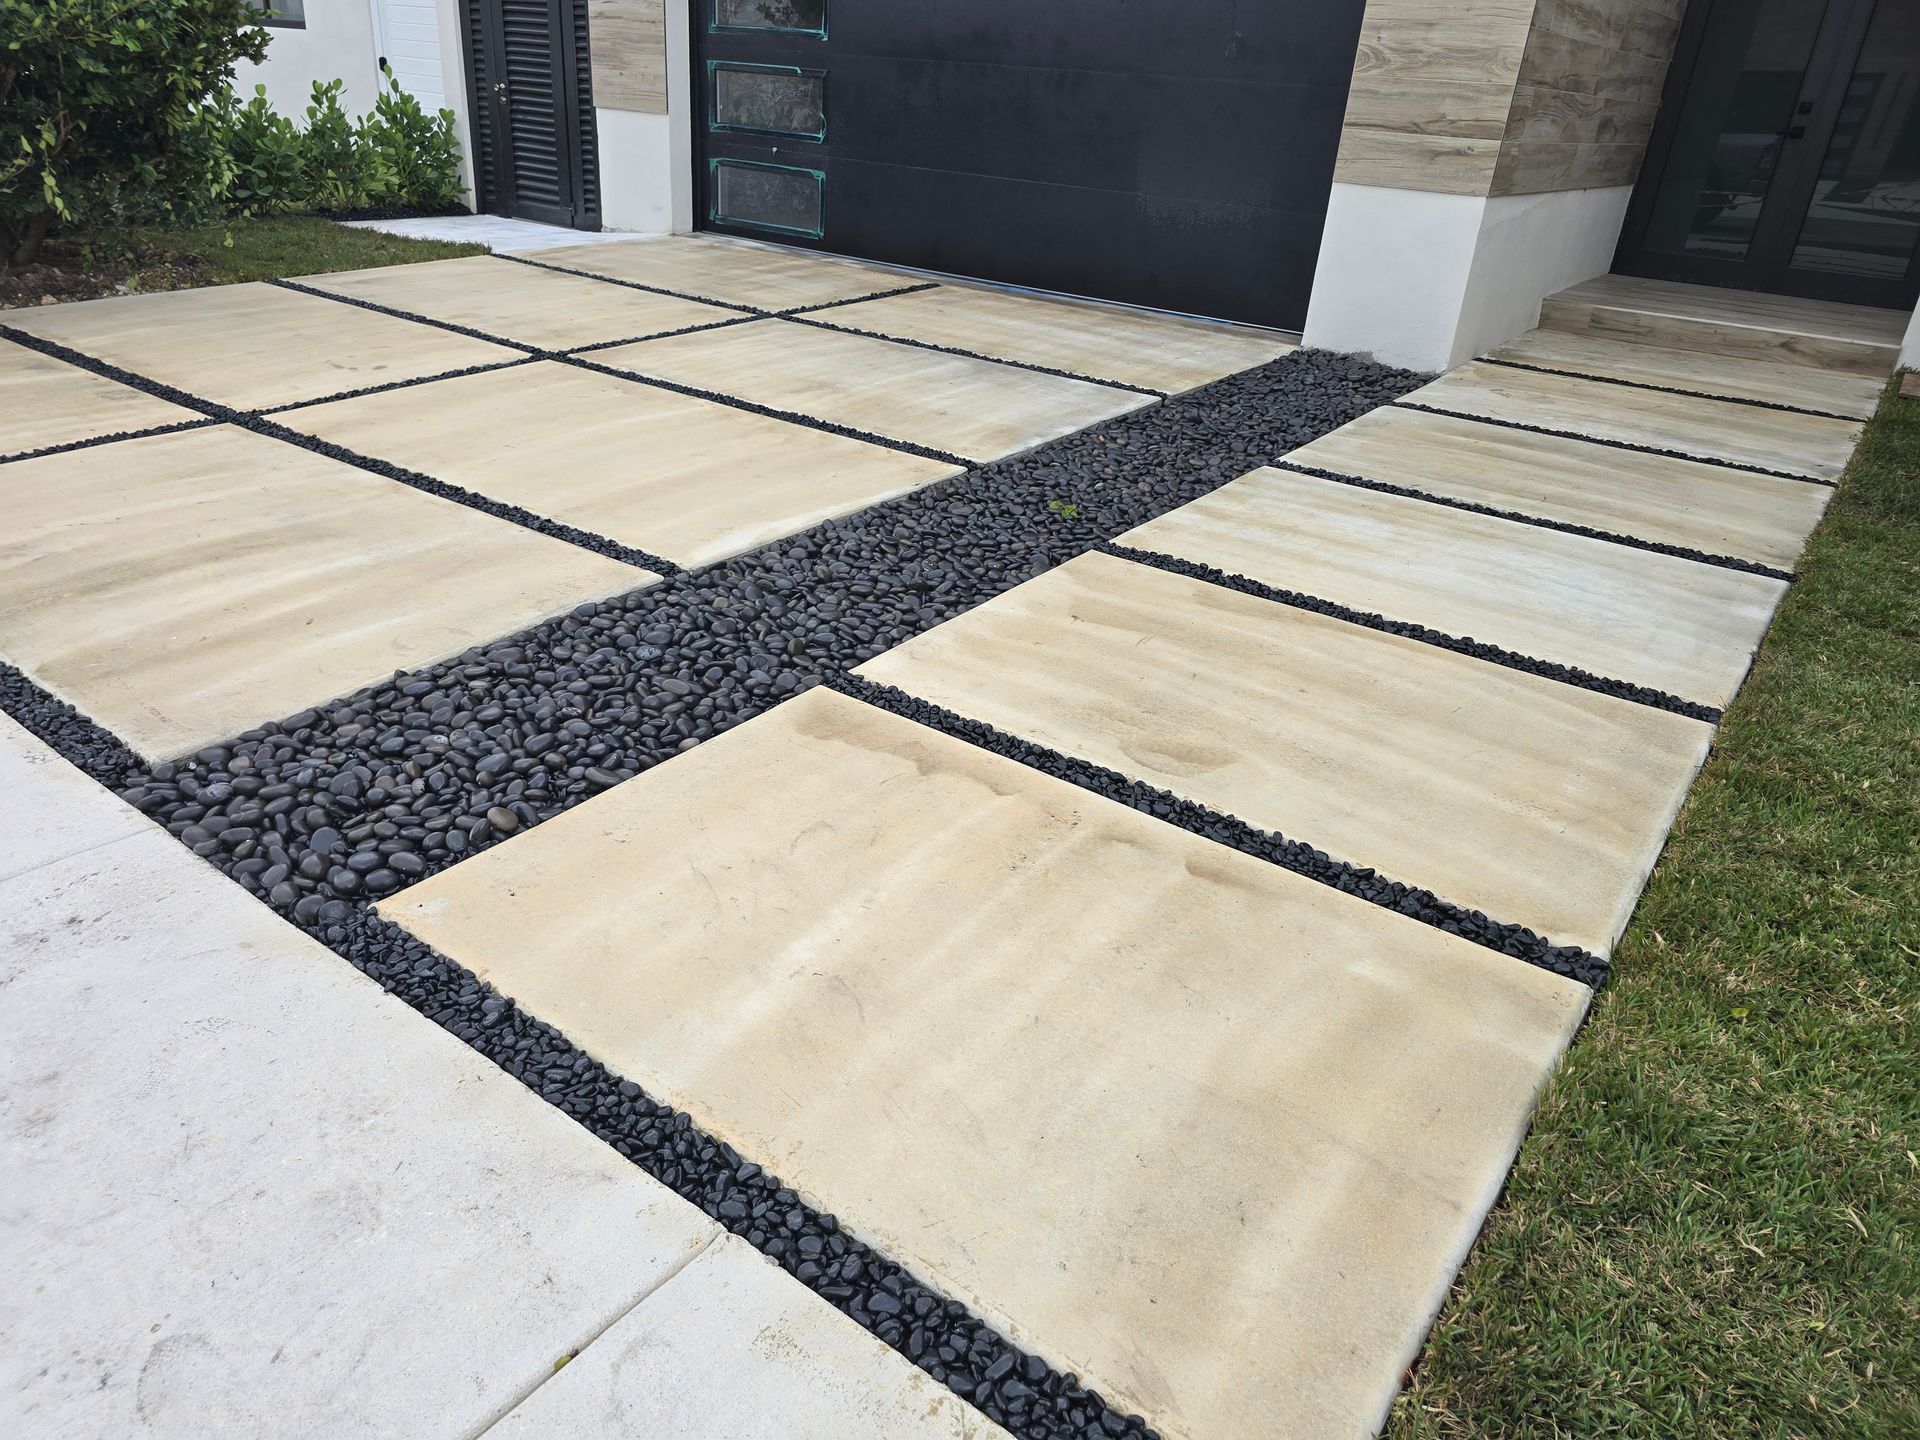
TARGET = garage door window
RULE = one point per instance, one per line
(806, 16)
(785, 199)
(768, 99)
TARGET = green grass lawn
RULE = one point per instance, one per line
(1712, 1229)
(79, 267)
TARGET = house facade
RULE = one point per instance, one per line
(1398, 177)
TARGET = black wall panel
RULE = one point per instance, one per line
(1175, 153)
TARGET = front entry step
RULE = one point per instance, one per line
(1820, 334)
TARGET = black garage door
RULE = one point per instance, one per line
(1173, 153)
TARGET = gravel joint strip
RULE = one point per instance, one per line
(975, 355)
(353, 799)
(1614, 444)
(634, 285)
(1295, 855)
(91, 441)
(387, 385)
(1656, 547)
(377, 308)
(1668, 389)
(1439, 639)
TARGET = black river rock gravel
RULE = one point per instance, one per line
(356, 798)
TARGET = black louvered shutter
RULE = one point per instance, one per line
(535, 149)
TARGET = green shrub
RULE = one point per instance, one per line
(268, 155)
(342, 168)
(104, 114)
(420, 151)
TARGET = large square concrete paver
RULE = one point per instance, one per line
(962, 406)
(732, 1346)
(1104, 342)
(1801, 387)
(45, 402)
(1531, 800)
(1623, 492)
(678, 476)
(1677, 625)
(248, 1193)
(183, 588)
(1206, 1133)
(732, 272)
(252, 346)
(535, 307)
(1721, 430)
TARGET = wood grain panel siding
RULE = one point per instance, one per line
(1432, 93)
(1588, 89)
(629, 54)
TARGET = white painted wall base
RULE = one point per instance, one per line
(636, 171)
(1427, 280)
(1910, 347)
(646, 160)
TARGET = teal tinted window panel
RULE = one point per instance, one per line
(768, 99)
(785, 199)
(808, 17)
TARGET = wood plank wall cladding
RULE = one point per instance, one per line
(629, 39)
(1505, 97)
(1432, 93)
(1584, 102)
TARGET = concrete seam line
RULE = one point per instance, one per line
(1669, 389)
(540, 1382)
(1298, 856)
(1613, 537)
(1612, 444)
(259, 424)
(828, 325)
(87, 444)
(377, 308)
(1647, 695)
(752, 310)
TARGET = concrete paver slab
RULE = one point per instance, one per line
(1104, 342)
(1737, 376)
(1117, 1087)
(686, 478)
(254, 345)
(1650, 497)
(731, 1346)
(952, 403)
(248, 1193)
(183, 588)
(1676, 625)
(1533, 801)
(1711, 429)
(518, 302)
(731, 271)
(46, 402)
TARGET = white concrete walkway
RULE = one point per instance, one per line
(247, 1192)
(501, 233)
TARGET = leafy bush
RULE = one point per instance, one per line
(344, 169)
(104, 114)
(268, 155)
(421, 152)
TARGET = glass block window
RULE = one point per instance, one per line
(777, 100)
(782, 198)
(806, 16)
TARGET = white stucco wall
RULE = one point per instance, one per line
(1910, 347)
(1427, 280)
(337, 44)
(646, 160)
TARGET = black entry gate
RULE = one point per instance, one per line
(535, 154)
(1172, 153)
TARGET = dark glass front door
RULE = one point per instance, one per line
(1786, 157)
